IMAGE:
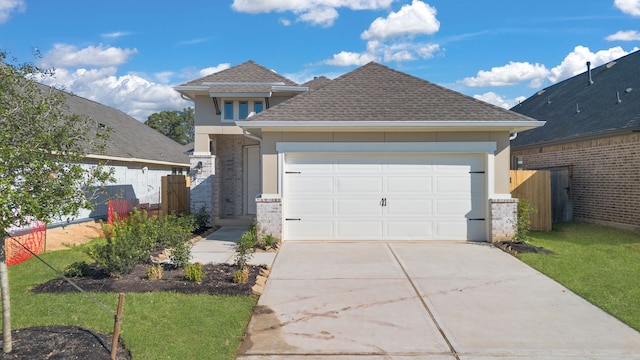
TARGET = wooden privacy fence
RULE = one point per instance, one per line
(175, 194)
(535, 186)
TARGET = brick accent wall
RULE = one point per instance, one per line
(204, 185)
(606, 176)
(269, 217)
(504, 219)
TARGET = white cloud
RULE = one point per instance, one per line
(164, 77)
(323, 16)
(498, 100)
(346, 58)
(131, 94)
(629, 35)
(284, 21)
(631, 7)
(214, 69)
(317, 12)
(380, 51)
(9, 6)
(509, 74)
(416, 18)
(115, 35)
(63, 55)
(575, 62)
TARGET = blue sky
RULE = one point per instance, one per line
(129, 54)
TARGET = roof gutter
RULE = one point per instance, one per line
(135, 160)
(513, 126)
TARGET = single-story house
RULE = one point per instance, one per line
(374, 154)
(592, 135)
(138, 154)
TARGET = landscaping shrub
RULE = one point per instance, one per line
(245, 247)
(129, 242)
(201, 218)
(154, 272)
(193, 272)
(181, 254)
(524, 220)
(241, 276)
(77, 269)
(269, 240)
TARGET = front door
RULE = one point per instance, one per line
(251, 178)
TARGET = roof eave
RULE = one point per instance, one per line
(511, 126)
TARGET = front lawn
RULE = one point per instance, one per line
(156, 325)
(599, 263)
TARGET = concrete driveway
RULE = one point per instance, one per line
(423, 300)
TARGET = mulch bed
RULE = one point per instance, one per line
(217, 279)
(61, 342)
(515, 248)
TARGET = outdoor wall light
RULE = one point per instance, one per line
(198, 167)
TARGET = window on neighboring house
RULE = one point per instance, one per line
(228, 110)
(257, 107)
(244, 109)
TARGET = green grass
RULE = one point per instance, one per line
(599, 263)
(154, 325)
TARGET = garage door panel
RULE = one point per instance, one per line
(301, 207)
(359, 184)
(450, 230)
(309, 230)
(358, 168)
(453, 185)
(356, 207)
(413, 207)
(305, 185)
(359, 229)
(453, 207)
(409, 184)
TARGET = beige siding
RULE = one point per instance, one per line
(270, 160)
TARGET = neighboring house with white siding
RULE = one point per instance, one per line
(138, 154)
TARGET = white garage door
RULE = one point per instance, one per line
(384, 197)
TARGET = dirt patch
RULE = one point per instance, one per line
(515, 248)
(61, 342)
(60, 238)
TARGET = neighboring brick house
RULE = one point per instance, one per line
(374, 154)
(593, 131)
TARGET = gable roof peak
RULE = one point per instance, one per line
(248, 71)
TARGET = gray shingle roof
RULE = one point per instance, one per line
(599, 110)
(375, 92)
(317, 82)
(129, 138)
(248, 71)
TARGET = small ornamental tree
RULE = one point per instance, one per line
(41, 147)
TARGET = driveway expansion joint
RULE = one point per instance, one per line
(424, 303)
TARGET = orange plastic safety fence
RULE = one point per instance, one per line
(33, 238)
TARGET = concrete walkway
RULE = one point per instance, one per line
(428, 300)
(220, 247)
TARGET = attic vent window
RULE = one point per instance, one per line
(610, 64)
(628, 90)
(541, 92)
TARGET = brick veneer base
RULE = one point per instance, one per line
(269, 217)
(504, 217)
